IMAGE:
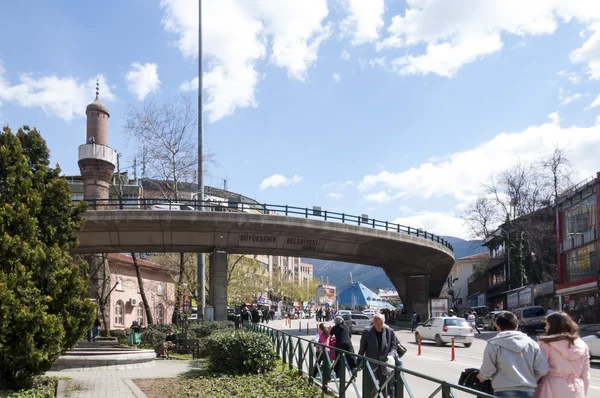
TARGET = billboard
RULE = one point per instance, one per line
(326, 294)
(439, 307)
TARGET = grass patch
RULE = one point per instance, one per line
(279, 383)
(43, 387)
(176, 355)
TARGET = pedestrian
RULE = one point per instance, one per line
(323, 338)
(549, 311)
(452, 314)
(472, 319)
(95, 329)
(568, 357)
(170, 342)
(415, 321)
(343, 340)
(272, 314)
(378, 342)
(512, 360)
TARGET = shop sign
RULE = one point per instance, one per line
(481, 300)
(321, 291)
(439, 307)
(584, 258)
(512, 300)
(525, 297)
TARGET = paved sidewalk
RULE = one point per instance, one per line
(115, 381)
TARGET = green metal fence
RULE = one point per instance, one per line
(307, 357)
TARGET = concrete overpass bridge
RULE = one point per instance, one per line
(416, 262)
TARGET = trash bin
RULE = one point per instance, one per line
(135, 338)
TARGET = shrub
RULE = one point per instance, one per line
(240, 352)
(164, 327)
(152, 338)
(122, 335)
(206, 328)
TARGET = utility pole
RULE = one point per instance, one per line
(201, 266)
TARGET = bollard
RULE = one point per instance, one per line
(299, 325)
(419, 344)
(452, 357)
(306, 327)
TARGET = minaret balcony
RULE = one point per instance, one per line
(99, 152)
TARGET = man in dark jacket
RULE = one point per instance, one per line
(378, 342)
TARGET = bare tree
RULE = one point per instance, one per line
(138, 273)
(167, 133)
(560, 169)
(482, 217)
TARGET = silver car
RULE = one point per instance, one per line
(357, 323)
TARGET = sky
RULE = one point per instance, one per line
(399, 109)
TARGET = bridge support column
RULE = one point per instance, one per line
(417, 294)
(217, 284)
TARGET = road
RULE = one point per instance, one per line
(434, 361)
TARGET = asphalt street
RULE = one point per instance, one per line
(434, 361)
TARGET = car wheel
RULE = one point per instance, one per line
(438, 340)
(467, 345)
(417, 337)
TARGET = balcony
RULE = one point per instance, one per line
(480, 284)
(95, 151)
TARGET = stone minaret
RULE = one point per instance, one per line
(350, 280)
(96, 158)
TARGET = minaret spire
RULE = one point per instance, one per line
(97, 89)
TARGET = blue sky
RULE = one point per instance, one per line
(398, 109)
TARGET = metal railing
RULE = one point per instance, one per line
(341, 376)
(290, 211)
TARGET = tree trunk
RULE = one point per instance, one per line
(179, 296)
(142, 291)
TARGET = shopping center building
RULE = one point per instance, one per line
(577, 220)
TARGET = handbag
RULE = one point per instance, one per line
(401, 350)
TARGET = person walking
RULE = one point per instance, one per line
(512, 360)
(378, 342)
(472, 319)
(415, 321)
(340, 333)
(323, 338)
(568, 357)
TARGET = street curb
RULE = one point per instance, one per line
(61, 388)
(134, 389)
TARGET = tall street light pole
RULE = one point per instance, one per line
(201, 266)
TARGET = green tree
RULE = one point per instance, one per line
(42, 309)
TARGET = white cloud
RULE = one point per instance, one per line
(189, 85)
(336, 77)
(595, 103)
(570, 98)
(278, 180)
(64, 97)
(335, 195)
(142, 79)
(345, 55)
(378, 197)
(235, 37)
(364, 20)
(443, 36)
(573, 77)
(461, 174)
(445, 224)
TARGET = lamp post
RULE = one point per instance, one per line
(185, 315)
(201, 265)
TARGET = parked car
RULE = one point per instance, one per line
(593, 343)
(357, 322)
(370, 313)
(442, 329)
(170, 206)
(489, 321)
(531, 318)
(344, 312)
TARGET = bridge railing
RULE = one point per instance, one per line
(263, 208)
(352, 375)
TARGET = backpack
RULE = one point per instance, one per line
(468, 378)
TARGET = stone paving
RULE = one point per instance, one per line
(115, 381)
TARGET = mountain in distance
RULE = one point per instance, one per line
(338, 272)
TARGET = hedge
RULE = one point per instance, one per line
(240, 352)
(206, 328)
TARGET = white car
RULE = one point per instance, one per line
(370, 313)
(442, 329)
(170, 206)
(593, 343)
(343, 312)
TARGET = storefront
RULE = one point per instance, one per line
(582, 302)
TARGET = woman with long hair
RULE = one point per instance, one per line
(568, 357)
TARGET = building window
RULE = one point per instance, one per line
(160, 314)
(160, 289)
(475, 267)
(76, 196)
(581, 263)
(119, 283)
(580, 218)
(140, 314)
(119, 313)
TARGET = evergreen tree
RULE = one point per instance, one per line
(42, 311)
